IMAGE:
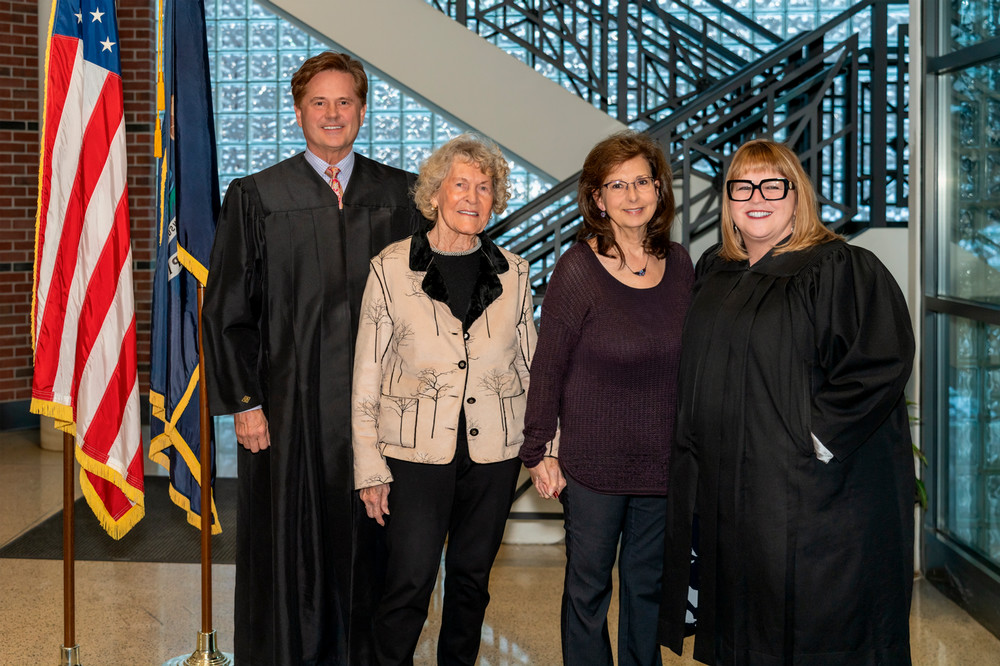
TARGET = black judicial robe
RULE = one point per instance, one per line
(280, 319)
(801, 563)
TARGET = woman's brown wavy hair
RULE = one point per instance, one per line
(604, 158)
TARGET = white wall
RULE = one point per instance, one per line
(891, 247)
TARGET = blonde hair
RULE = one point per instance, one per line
(767, 155)
(471, 149)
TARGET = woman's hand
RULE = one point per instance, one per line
(540, 477)
(376, 499)
(556, 479)
(548, 478)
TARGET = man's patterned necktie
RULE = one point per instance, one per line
(332, 172)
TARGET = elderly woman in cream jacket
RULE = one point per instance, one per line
(440, 381)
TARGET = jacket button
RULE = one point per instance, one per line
(466, 335)
(474, 432)
(461, 364)
(471, 401)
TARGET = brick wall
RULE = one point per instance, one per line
(137, 33)
(18, 189)
(19, 141)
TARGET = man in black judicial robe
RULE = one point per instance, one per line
(289, 267)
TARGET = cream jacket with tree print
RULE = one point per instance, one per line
(416, 365)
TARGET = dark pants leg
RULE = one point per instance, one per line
(420, 500)
(483, 496)
(640, 569)
(469, 503)
(595, 523)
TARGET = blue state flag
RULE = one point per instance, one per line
(188, 198)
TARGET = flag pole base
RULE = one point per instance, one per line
(207, 654)
(69, 656)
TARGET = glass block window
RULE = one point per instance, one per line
(961, 276)
(972, 22)
(254, 54)
(788, 18)
(970, 505)
(969, 249)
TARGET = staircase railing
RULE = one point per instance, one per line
(637, 60)
(841, 106)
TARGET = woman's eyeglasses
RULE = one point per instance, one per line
(772, 189)
(643, 185)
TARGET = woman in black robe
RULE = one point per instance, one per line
(793, 446)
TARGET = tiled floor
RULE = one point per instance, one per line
(148, 613)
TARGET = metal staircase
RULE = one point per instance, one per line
(636, 60)
(840, 103)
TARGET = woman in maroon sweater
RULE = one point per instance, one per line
(605, 373)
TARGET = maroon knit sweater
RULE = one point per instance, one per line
(606, 369)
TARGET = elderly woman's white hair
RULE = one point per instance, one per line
(471, 149)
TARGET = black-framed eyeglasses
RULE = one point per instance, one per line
(641, 184)
(772, 189)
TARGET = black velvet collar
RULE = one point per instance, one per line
(492, 264)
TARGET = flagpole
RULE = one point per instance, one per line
(70, 651)
(188, 210)
(207, 652)
(205, 453)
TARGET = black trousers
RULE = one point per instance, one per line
(466, 502)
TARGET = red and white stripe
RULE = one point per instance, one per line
(84, 319)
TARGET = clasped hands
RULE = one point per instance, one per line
(548, 478)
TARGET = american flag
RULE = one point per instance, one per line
(83, 314)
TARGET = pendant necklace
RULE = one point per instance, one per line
(640, 272)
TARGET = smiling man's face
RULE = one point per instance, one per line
(330, 115)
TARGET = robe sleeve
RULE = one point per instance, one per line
(681, 497)
(374, 336)
(563, 313)
(232, 312)
(681, 500)
(864, 348)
